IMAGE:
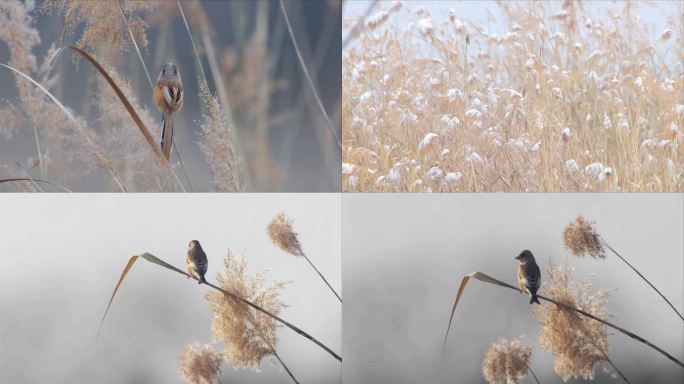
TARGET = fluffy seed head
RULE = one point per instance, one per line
(581, 238)
(578, 344)
(249, 335)
(506, 361)
(283, 235)
(200, 364)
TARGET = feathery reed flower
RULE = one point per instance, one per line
(249, 335)
(17, 30)
(506, 361)
(578, 344)
(217, 145)
(103, 22)
(283, 235)
(200, 364)
(581, 238)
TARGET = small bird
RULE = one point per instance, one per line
(529, 276)
(197, 261)
(168, 95)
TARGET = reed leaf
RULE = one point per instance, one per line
(155, 260)
(488, 279)
(18, 179)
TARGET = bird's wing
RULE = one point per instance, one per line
(532, 274)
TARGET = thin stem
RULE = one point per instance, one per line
(40, 154)
(283, 364)
(533, 375)
(192, 41)
(274, 316)
(615, 368)
(182, 164)
(642, 276)
(135, 44)
(321, 275)
(261, 334)
(309, 80)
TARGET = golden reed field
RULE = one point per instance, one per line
(563, 100)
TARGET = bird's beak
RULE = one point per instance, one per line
(517, 257)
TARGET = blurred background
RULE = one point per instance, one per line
(278, 131)
(63, 255)
(405, 256)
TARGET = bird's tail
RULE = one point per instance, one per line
(202, 280)
(167, 135)
(534, 299)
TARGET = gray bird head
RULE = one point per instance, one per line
(194, 244)
(170, 69)
(525, 256)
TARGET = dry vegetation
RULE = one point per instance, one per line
(564, 100)
(98, 145)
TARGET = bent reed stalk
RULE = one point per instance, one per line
(642, 276)
(155, 260)
(488, 279)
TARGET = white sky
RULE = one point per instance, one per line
(62, 255)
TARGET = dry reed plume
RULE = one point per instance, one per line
(578, 344)
(102, 21)
(507, 362)
(582, 238)
(200, 364)
(249, 336)
(282, 234)
(559, 102)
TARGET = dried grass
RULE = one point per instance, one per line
(560, 102)
(578, 344)
(506, 362)
(249, 336)
(200, 364)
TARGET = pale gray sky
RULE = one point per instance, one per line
(62, 255)
(654, 14)
(405, 255)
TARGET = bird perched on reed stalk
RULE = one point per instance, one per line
(529, 276)
(197, 261)
(168, 95)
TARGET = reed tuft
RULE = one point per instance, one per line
(249, 336)
(578, 344)
(200, 364)
(582, 238)
(506, 361)
(282, 235)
